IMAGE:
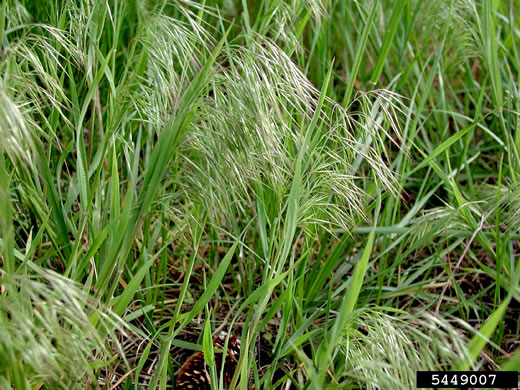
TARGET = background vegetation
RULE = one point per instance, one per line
(337, 182)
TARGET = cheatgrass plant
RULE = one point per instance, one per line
(334, 182)
(374, 341)
(47, 337)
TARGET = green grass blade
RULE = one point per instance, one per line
(6, 222)
(443, 147)
(490, 43)
(388, 41)
(479, 341)
(358, 56)
(207, 342)
(124, 299)
(513, 364)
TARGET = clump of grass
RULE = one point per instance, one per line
(374, 341)
(47, 336)
(247, 136)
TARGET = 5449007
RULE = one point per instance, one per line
(467, 379)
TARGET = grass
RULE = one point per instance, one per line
(336, 182)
